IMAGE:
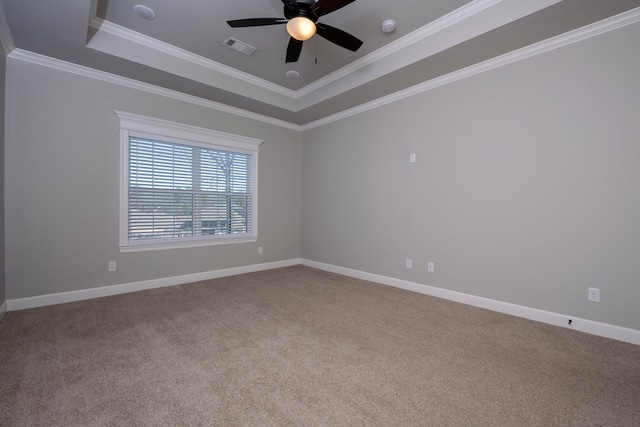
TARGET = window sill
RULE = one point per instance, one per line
(183, 244)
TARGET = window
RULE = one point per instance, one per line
(184, 186)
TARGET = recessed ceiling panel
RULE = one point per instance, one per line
(201, 27)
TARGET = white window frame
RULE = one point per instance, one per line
(167, 131)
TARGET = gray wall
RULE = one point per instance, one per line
(62, 183)
(526, 187)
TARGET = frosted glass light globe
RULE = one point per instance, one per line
(301, 28)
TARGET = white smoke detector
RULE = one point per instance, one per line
(388, 26)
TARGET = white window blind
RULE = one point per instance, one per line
(182, 191)
(185, 186)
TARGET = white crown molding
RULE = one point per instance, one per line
(125, 35)
(557, 319)
(468, 21)
(45, 61)
(114, 40)
(404, 42)
(592, 30)
(5, 33)
(101, 25)
(184, 55)
(475, 18)
(104, 291)
(574, 36)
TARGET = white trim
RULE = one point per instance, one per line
(3, 310)
(104, 291)
(609, 24)
(469, 20)
(614, 332)
(68, 67)
(130, 45)
(6, 39)
(580, 34)
(167, 128)
(406, 41)
(453, 18)
(583, 325)
(182, 244)
(171, 50)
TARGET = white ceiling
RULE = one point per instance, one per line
(181, 49)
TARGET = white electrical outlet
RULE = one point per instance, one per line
(259, 250)
(431, 267)
(112, 266)
(593, 295)
(412, 158)
(409, 263)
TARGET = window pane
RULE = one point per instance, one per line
(231, 213)
(154, 214)
(225, 172)
(181, 191)
(239, 214)
(154, 164)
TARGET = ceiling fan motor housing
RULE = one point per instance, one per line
(304, 10)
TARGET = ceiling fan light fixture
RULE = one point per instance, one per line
(301, 28)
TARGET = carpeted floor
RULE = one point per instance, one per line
(298, 346)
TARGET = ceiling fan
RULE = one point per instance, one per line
(301, 17)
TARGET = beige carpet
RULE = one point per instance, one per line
(298, 346)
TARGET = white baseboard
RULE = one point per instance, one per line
(103, 291)
(588, 326)
(583, 325)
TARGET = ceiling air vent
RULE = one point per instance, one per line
(239, 46)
